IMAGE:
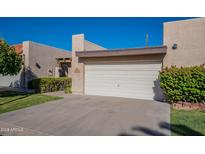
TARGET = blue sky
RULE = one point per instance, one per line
(108, 32)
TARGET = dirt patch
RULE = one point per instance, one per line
(188, 106)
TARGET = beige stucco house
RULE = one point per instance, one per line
(39, 60)
(133, 72)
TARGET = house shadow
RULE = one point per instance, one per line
(28, 76)
(6, 92)
(21, 82)
(18, 87)
(180, 130)
(22, 96)
(13, 94)
(158, 92)
(16, 91)
(184, 131)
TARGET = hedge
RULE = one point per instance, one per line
(49, 84)
(185, 84)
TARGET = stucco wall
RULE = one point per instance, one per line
(80, 44)
(189, 35)
(77, 68)
(12, 81)
(92, 46)
(39, 59)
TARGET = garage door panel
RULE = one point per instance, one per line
(124, 67)
(114, 90)
(116, 84)
(122, 73)
(122, 80)
(105, 77)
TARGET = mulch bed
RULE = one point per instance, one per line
(188, 106)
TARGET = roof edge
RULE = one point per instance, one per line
(45, 45)
(123, 52)
(121, 49)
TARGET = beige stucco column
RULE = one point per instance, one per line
(77, 68)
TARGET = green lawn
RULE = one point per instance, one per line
(188, 123)
(10, 101)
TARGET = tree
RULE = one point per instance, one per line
(10, 61)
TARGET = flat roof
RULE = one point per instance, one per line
(123, 52)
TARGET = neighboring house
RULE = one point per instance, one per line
(38, 61)
(133, 72)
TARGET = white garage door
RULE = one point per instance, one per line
(136, 80)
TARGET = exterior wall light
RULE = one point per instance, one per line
(174, 46)
(38, 66)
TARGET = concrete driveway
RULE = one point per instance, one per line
(89, 115)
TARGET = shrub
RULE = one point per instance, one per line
(10, 61)
(68, 90)
(49, 84)
(186, 84)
